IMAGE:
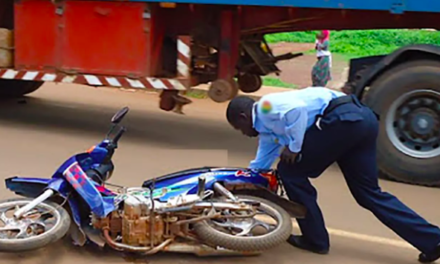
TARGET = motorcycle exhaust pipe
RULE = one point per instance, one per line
(123, 247)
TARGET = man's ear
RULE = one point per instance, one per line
(243, 116)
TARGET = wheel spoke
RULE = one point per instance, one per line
(247, 229)
(9, 228)
(223, 224)
(268, 227)
(244, 226)
(22, 234)
(4, 218)
(35, 222)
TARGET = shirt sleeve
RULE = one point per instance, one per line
(267, 152)
(295, 123)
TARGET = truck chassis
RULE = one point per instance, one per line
(175, 46)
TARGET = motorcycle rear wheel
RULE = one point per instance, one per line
(206, 230)
(31, 234)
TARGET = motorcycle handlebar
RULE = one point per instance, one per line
(113, 144)
(119, 135)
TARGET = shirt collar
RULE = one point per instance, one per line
(256, 123)
(254, 114)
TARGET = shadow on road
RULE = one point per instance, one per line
(65, 252)
(147, 126)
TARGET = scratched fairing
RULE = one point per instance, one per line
(205, 211)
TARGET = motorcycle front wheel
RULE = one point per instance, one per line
(239, 234)
(46, 223)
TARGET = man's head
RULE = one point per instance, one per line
(239, 115)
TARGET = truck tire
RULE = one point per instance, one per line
(222, 90)
(249, 83)
(407, 98)
(17, 88)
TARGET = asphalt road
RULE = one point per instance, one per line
(60, 120)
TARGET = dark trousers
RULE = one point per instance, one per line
(348, 136)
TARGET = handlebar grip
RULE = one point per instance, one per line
(119, 135)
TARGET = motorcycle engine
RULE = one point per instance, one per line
(133, 224)
(136, 224)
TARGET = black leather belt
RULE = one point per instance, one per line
(346, 99)
(337, 102)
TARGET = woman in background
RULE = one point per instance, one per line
(321, 71)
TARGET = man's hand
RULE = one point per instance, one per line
(288, 156)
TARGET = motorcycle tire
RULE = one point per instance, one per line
(55, 233)
(208, 234)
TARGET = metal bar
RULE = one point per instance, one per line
(219, 205)
(201, 186)
(152, 213)
(31, 205)
(410, 5)
(225, 192)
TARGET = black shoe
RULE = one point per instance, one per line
(433, 256)
(299, 242)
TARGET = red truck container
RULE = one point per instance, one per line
(173, 46)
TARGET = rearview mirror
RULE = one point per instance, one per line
(117, 118)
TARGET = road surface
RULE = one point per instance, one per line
(59, 120)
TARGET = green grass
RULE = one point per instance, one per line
(271, 81)
(358, 43)
(197, 94)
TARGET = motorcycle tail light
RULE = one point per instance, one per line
(273, 182)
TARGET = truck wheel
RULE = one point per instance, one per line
(407, 98)
(17, 88)
(222, 90)
(249, 83)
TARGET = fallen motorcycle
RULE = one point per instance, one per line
(205, 211)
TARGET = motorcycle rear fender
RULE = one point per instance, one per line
(295, 210)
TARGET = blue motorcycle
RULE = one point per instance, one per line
(204, 211)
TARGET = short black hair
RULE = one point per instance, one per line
(238, 105)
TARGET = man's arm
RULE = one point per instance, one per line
(267, 152)
(295, 124)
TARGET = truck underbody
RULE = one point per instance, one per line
(169, 46)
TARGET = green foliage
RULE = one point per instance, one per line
(300, 37)
(357, 43)
(197, 94)
(275, 82)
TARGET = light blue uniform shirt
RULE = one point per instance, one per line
(283, 118)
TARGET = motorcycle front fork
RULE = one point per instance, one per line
(31, 205)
